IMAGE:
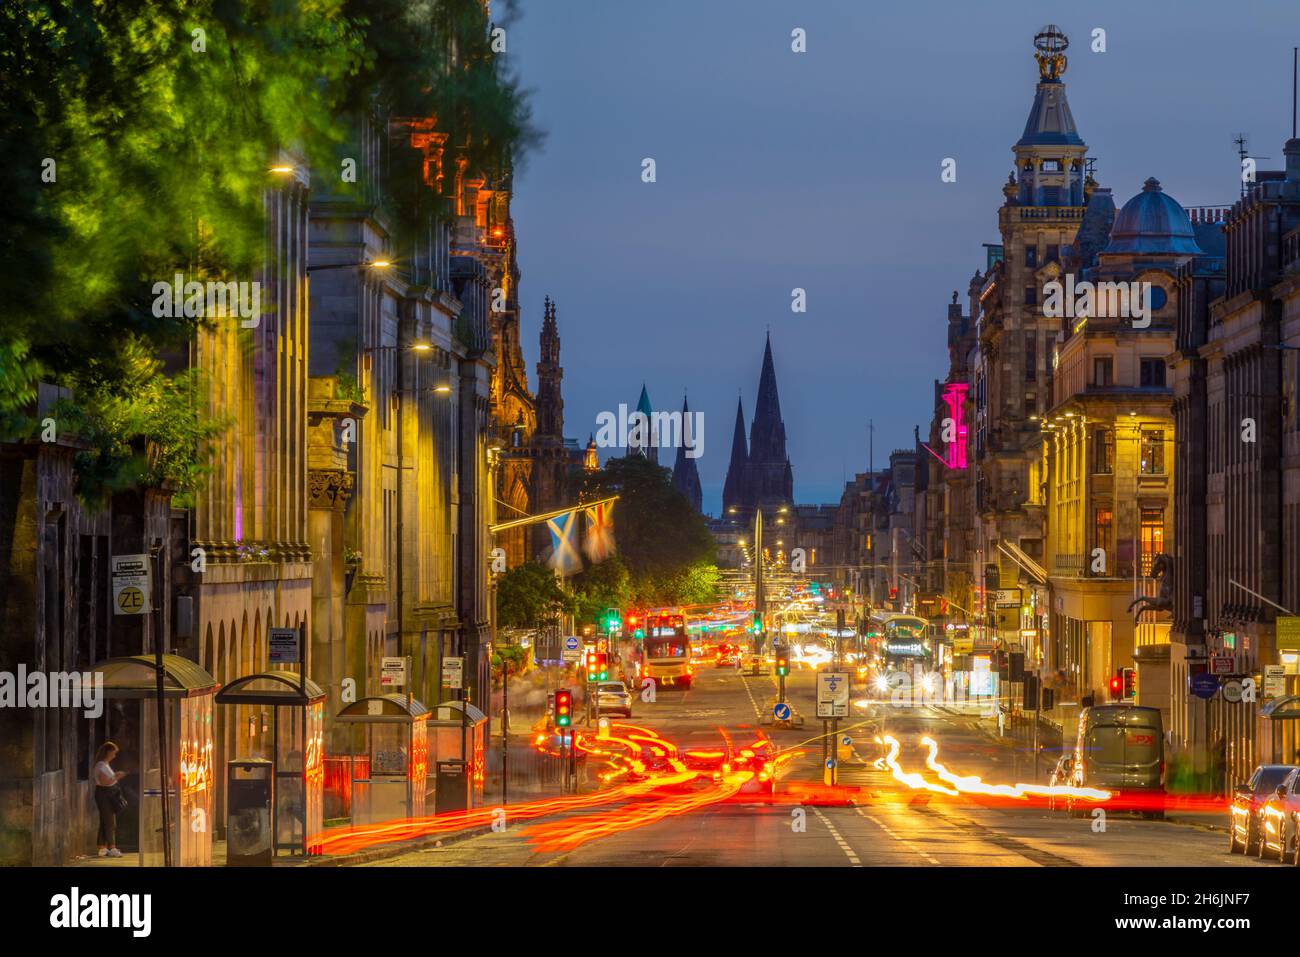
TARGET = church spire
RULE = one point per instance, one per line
(733, 488)
(550, 404)
(643, 442)
(686, 477)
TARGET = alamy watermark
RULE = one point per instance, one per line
(213, 300)
(57, 689)
(1123, 300)
(662, 430)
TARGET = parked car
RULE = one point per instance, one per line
(1120, 748)
(1062, 775)
(1245, 825)
(612, 697)
(1279, 822)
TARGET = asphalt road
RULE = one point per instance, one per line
(887, 822)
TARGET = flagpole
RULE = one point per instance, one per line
(534, 519)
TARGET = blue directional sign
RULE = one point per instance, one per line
(781, 711)
(846, 741)
(830, 764)
(1205, 685)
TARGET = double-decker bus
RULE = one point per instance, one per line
(666, 651)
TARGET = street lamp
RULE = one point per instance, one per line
(379, 264)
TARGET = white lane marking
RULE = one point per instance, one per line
(900, 839)
(757, 711)
(844, 845)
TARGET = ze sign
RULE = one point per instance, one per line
(282, 647)
(131, 582)
(832, 694)
(392, 673)
(453, 670)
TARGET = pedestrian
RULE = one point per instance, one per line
(108, 798)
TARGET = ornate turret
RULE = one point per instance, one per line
(1050, 152)
(550, 404)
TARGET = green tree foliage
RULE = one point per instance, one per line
(137, 142)
(601, 586)
(664, 543)
(529, 595)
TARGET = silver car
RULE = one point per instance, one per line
(612, 697)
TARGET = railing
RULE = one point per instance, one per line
(1048, 212)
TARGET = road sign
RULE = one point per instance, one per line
(1274, 681)
(1205, 685)
(282, 646)
(392, 673)
(572, 648)
(453, 672)
(846, 741)
(1288, 633)
(832, 694)
(1232, 691)
(781, 711)
(830, 764)
(131, 585)
(1222, 665)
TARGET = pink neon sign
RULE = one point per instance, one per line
(954, 397)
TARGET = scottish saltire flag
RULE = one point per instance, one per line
(599, 543)
(564, 546)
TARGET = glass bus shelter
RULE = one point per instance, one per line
(388, 746)
(298, 738)
(131, 688)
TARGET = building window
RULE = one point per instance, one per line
(1152, 537)
(1031, 356)
(1031, 256)
(1103, 371)
(1103, 520)
(1153, 452)
(1103, 451)
(1031, 295)
(1152, 374)
(1051, 166)
(1051, 253)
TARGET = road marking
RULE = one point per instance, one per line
(899, 838)
(757, 711)
(839, 839)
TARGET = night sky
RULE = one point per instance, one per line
(821, 170)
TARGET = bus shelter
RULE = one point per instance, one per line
(297, 743)
(131, 688)
(459, 732)
(389, 757)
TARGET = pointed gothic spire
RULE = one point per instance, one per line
(686, 476)
(733, 488)
(648, 447)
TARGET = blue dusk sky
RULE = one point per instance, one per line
(821, 170)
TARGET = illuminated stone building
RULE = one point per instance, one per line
(1045, 201)
(1108, 451)
(1239, 481)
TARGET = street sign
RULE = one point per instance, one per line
(453, 672)
(282, 646)
(1288, 633)
(1222, 665)
(1007, 598)
(781, 711)
(131, 585)
(1232, 691)
(846, 741)
(832, 694)
(1205, 685)
(572, 648)
(1274, 681)
(392, 673)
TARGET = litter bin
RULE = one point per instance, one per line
(249, 792)
(452, 788)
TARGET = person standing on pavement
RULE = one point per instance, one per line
(108, 792)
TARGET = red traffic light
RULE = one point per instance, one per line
(1116, 685)
(563, 708)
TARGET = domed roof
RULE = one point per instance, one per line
(1152, 222)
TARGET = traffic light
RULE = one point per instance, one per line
(602, 666)
(592, 670)
(782, 662)
(1116, 686)
(1130, 682)
(563, 708)
(758, 623)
